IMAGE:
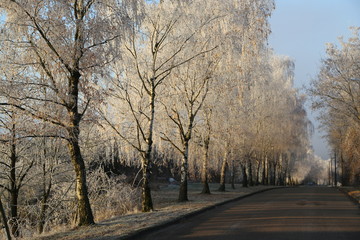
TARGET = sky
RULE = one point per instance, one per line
(300, 29)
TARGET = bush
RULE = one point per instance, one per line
(110, 195)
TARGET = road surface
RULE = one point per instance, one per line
(318, 213)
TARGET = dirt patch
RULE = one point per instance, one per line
(166, 209)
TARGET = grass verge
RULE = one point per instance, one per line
(167, 211)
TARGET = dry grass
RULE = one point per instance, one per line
(353, 192)
(166, 209)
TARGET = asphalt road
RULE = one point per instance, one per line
(318, 213)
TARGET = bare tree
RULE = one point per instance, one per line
(188, 90)
(60, 46)
(154, 49)
(205, 138)
(15, 165)
(4, 220)
(336, 93)
(49, 156)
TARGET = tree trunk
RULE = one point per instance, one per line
(84, 214)
(273, 178)
(14, 212)
(250, 180)
(116, 157)
(330, 167)
(146, 203)
(264, 176)
(42, 214)
(268, 171)
(335, 170)
(258, 172)
(285, 182)
(14, 191)
(4, 220)
(344, 172)
(183, 194)
(46, 193)
(233, 174)
(204, 173)
(206, 188)
(280, 177)
(223, 172)
(245, 177)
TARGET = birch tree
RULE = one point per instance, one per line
(188, 90)
(335, 93)
(246, 34)
(59, 46)
(153, 50)
(205, 137)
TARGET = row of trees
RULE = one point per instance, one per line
(191, 85)
(336, 94)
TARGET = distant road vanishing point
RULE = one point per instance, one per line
(318, 213)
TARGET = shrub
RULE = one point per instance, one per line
(110, 195)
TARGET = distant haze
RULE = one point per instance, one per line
(300, 29)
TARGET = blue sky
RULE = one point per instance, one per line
(300, 29)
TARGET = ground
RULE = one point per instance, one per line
(166, 208)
